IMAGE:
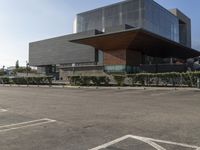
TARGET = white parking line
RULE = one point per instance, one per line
(162, 93)
(21, 125)
(3, 110)
(146, 140)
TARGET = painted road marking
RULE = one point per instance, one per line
(3, 110)
(150, 141)
(163, 93)
(21, 125)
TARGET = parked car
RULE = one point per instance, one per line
(193, 64)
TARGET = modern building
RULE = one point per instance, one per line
(123, 37)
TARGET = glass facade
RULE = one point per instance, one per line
(183, 33)
(127, 12)
(100, 57)
(90, 20)
(137, 13)
(121, 68)
(160, 21)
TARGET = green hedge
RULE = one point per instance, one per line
(4, 80)
(27, 80)
(172, 79)
(89, 80)
(165, 79)
(119, 79)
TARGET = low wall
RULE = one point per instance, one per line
(65, 72)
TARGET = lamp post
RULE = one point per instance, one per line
(27, 65)
(73, 68)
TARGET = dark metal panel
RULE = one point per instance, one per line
(60, 51)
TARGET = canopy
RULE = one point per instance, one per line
(139, 39)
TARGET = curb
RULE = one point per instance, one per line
(101, 87)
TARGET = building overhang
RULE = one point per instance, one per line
(139, 39)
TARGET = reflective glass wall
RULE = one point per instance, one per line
(127, 12)
(90, 20)
(137, 13)
(160, 21)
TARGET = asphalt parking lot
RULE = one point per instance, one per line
(99, 119)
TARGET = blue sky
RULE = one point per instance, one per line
(23, 21)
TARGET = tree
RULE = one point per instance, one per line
(2, 71)
(17, 64)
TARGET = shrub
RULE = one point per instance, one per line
(165, 79)
(27, 80)
(100, 80)
(88, 80)
(141, 79)
(2, 72)
(119, 79)
(75, 80)
(24, 70)
(20, 80)
(4, 80)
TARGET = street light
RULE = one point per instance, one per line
(27, 64)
